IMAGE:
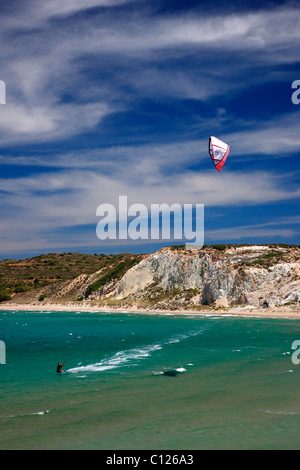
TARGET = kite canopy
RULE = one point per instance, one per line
(218, 151)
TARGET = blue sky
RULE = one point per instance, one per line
(119, 97)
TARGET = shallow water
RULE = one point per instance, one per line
(236, 386)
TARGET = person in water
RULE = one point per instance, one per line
(59, 367)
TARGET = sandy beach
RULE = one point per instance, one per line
(289, 311)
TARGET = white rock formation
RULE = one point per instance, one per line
(227, 278)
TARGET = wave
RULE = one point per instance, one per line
(27, 414)
(41, 412)
(180, 337)
(132, 356)
(119, 359)
(180, 369)
(281, 412)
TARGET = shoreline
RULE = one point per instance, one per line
(287, 312)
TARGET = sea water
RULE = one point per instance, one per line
(236, 385)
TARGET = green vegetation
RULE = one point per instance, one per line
(115, 273)
(266, 260)
(220, 247)
(156, 296)
(19, 276)
(4, 295)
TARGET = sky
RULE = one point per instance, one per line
(119, 97)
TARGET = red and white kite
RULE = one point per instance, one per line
(218, 151)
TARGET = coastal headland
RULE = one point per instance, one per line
(241, 280)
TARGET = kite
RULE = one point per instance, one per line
(218, 151)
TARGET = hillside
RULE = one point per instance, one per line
(57, 275)
(172, 278)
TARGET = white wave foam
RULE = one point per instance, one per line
(40, 412)
(29, 414)
(119, 359)
(281, 412)
(128, 356)
(181, 337)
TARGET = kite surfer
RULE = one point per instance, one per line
(59, 367)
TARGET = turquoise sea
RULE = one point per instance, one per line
(236, 388)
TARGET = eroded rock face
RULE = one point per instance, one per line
(172, 278)
(241, 275)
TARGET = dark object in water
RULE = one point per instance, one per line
(171, 373)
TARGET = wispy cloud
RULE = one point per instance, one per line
(146, 86)
(277, 136)
(134, 57)
(54, 8)
(21, 124)
(284, 227)
(51, 201)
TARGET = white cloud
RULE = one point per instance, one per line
(270, 229)
(46, 63)
(278, 136)
(43, 212)
(71, 197)
(56, 7)
(45, 123)
(106, 63)
(34, 13)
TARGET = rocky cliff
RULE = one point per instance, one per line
(253, 275)
(173, 277)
